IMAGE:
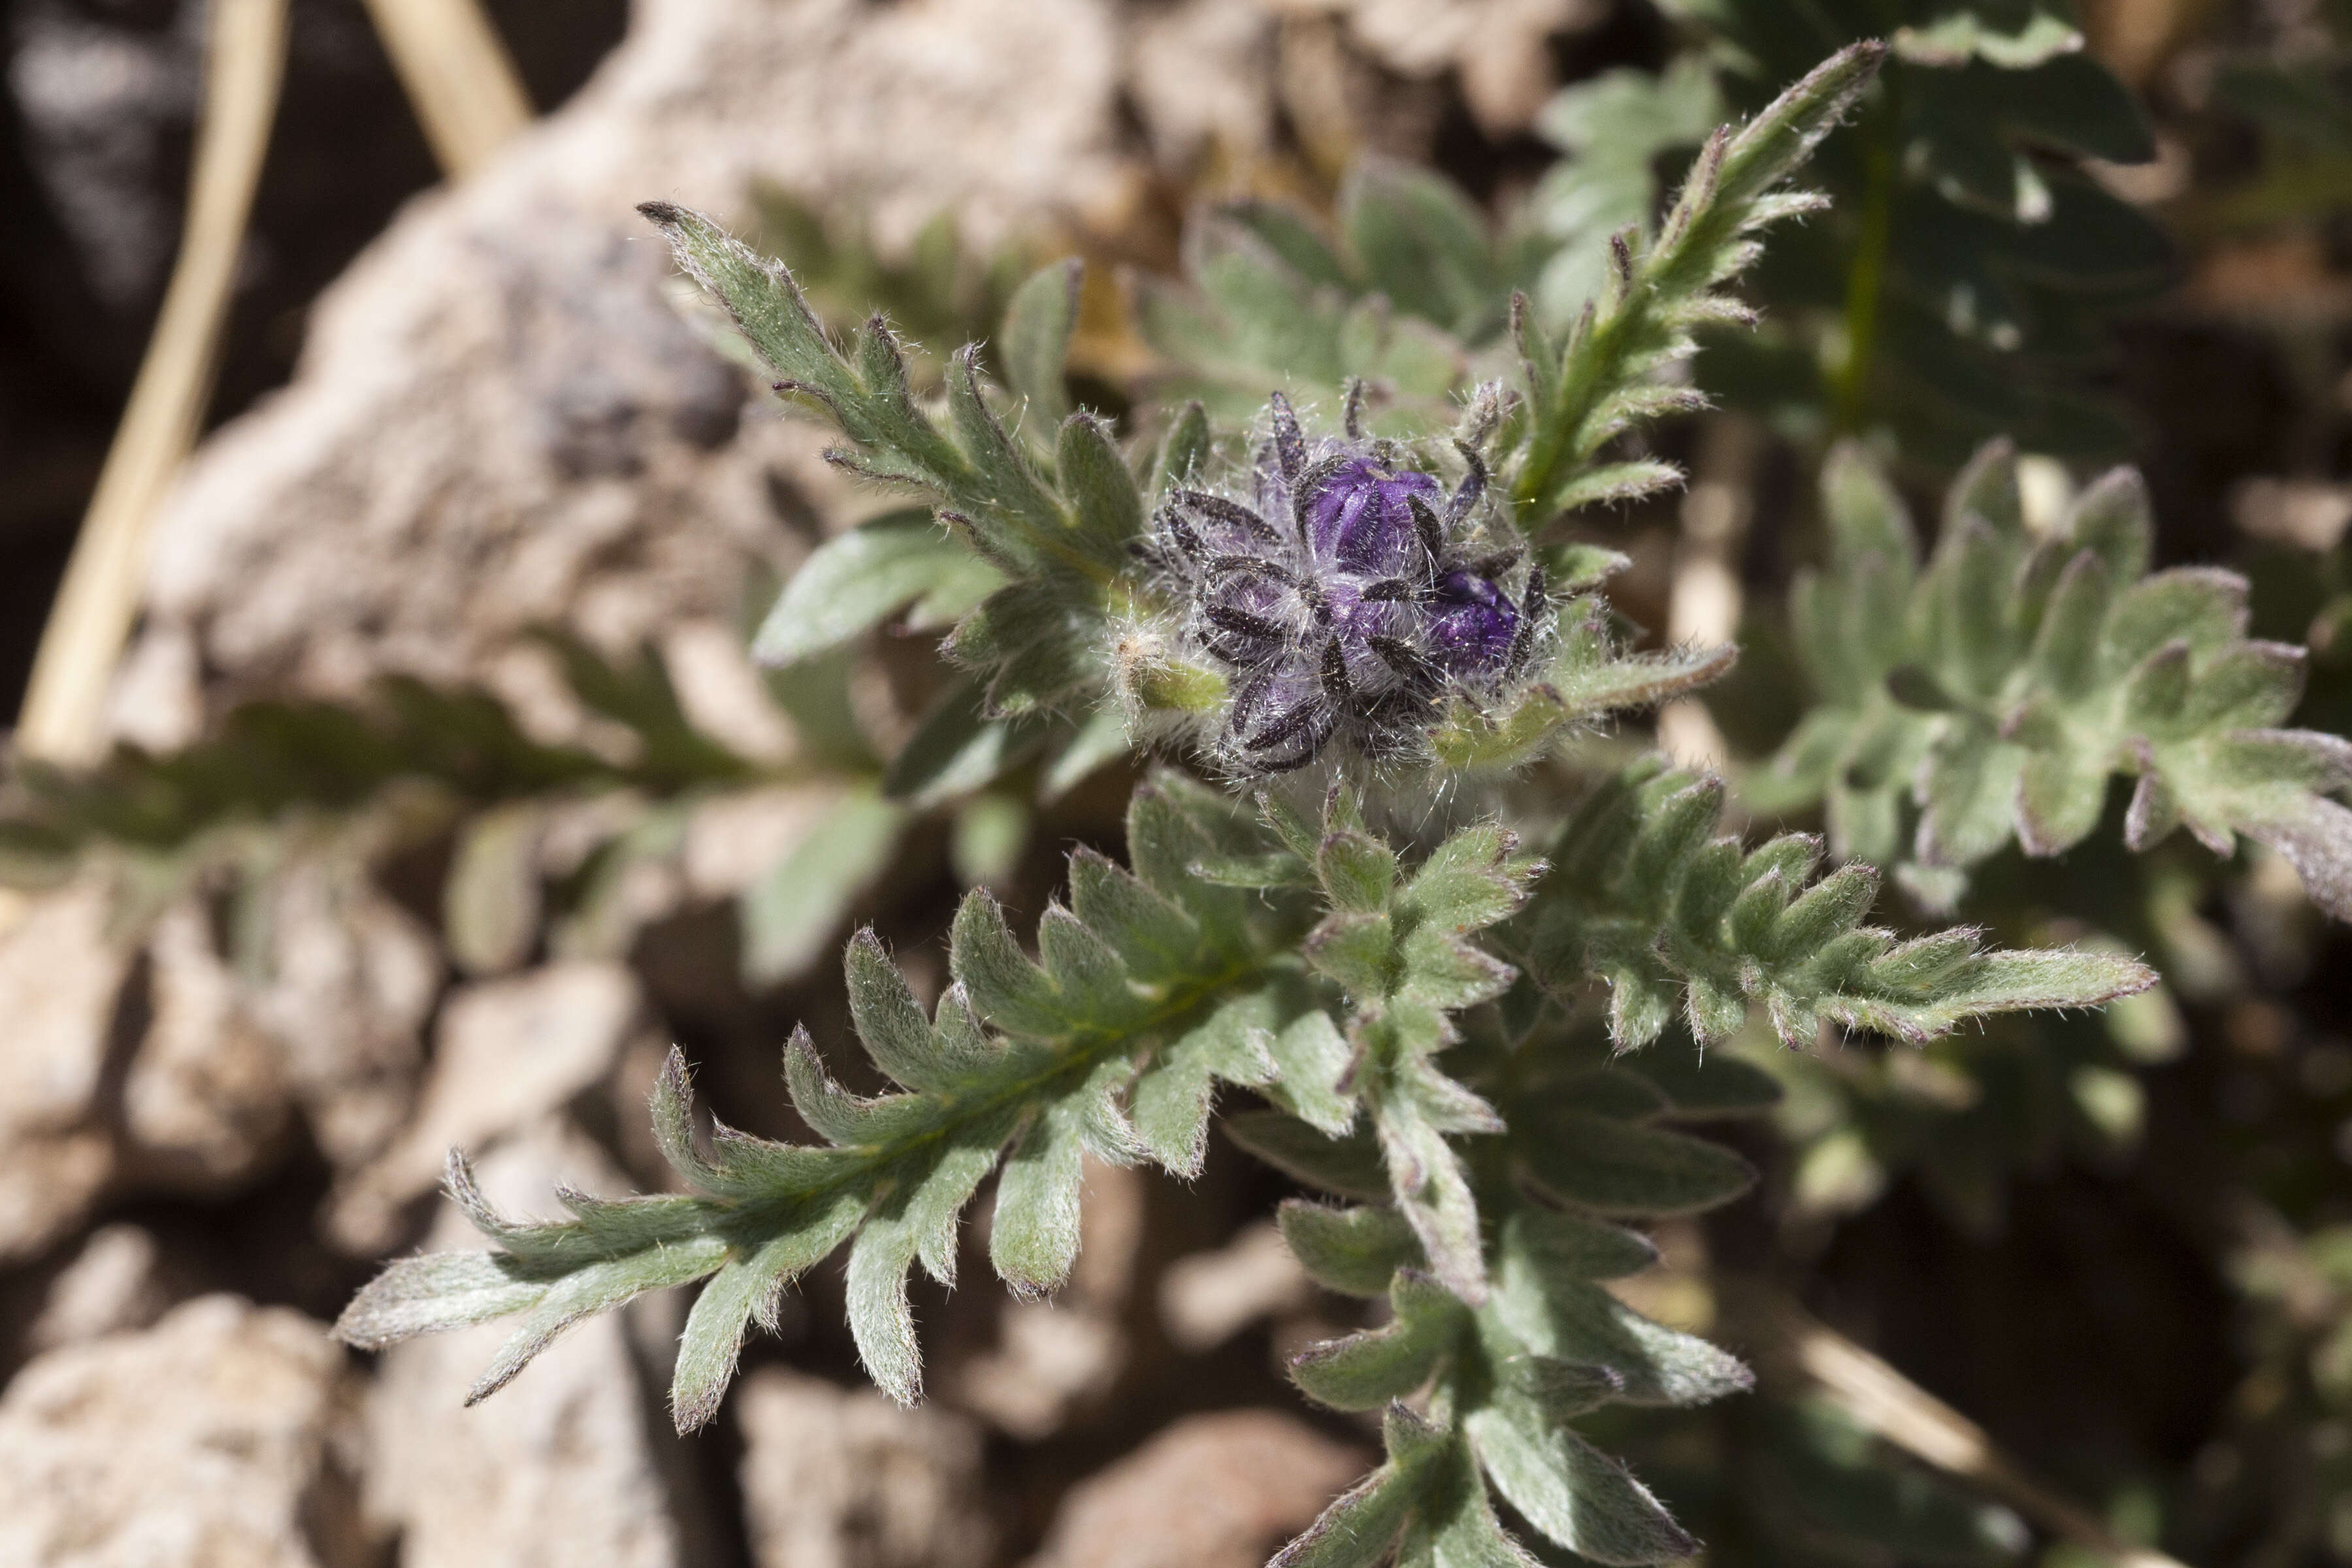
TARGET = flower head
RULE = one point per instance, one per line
(1343, 603)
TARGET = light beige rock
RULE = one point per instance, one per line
(1341, 103)
(1500, 46)
(351, 979)
(1052, 1358)
(710, 666)
(732, 839)
(839, 1478)
(206, 1094)
(559, 1468)
(47, 1183)
(206, 1441)
(1201, 74)
(60, 979)
(499, 417)
(114, 1283)
(642, 884)
(1211, 1491)
(1207, 1297)
(2306, 514)
(506, 1053)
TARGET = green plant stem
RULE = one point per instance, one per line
(1866, 281)
(745, 1222)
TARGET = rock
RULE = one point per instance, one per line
(836, 1478)
(351, 979)
(1049, 1361)
(209, 1439)
(570, 1463)
(1203, 77)
(500, 418)
(96, 103)
(114, 1283)
(506, 1053)
(1052, 1359)
(1207, 1297)
(733, 838)
(47, 1183)
(710, 665)
(1211, 1491)
(61, 977)
(1500, 47)
(206, 1096)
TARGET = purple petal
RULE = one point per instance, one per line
(1361, 518)
(1471, 627)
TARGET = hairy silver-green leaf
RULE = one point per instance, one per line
(1354, 1251)
(1644, 895)
(1991, 697)
(857, 580)
(1036, 340)
(1568, 1489)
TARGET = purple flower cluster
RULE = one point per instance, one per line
(1341, 604)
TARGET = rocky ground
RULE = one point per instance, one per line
(450, 417)
(500, 418)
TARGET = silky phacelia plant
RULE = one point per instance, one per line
(1347, 595)
(1462, 994)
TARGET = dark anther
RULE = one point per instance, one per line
(1242, 624)
(1289, 446)
(1388, 589)
(1472, 486)
(1431, 532)
(1222, 566)
(1523, 636)
(1313, 719)
(1351, 416)
(1407, 660)
(1493, 566)
(1217, 509)
(1186, 539)
(1336, 685)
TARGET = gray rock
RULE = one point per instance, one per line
(506, 1053)
(351, 977)
(206, 1096)
(1051, 1361)
(1211, 1491)
(571, 1464)
(115, 1282)
(61, 975)
(500, 418)
(212, 1439)
(842, 1478)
